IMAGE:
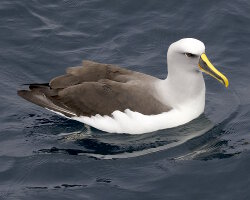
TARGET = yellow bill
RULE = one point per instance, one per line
(207, 67)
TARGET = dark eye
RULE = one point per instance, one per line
(190, 55)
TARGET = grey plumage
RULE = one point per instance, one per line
(96, 88)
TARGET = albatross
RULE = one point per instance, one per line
(118, 100)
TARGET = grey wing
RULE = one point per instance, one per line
(93, 72)
(93, 89)
(105, 97)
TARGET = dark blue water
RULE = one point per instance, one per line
(44, 156)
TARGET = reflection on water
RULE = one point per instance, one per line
(98, 144)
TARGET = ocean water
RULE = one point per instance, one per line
(45, 156)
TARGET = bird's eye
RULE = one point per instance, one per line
(190, 55)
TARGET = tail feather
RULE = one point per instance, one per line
(38, 85)
(39, 95)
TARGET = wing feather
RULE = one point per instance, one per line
(96, 88)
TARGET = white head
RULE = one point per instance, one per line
(187, 57)
(184, 84)
(185, 54)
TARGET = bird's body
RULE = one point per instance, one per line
(115, 99)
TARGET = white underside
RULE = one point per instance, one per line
(137, 123)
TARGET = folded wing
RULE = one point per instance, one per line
(94, 89)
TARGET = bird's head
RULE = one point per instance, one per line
(189, 55)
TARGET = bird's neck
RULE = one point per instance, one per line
(183, 89)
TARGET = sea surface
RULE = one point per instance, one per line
(45, 156)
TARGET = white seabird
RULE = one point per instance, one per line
(114, 99)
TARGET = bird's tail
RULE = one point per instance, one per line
(42, 95)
